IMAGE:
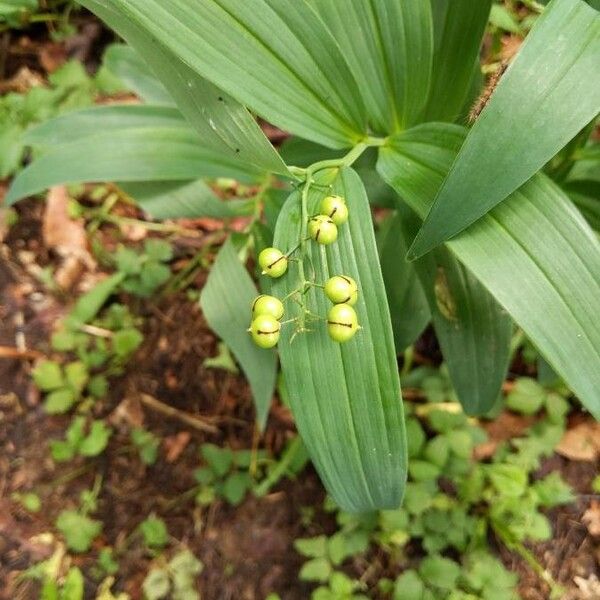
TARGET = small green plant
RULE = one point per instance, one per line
(146, 443)
(102, 348)
(147, 270)
(29, 501)
(81, 438)
(70, 87)
(78, 529)
(154, 532)
(225, 474)
(496, 497)
(173, 579)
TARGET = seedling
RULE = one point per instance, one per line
(78, 529)
(176, 578)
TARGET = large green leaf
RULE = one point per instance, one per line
(226, 301)
(458, 27)
(157, 151)
(534, 253)
(408, 305)
(549, 93)
(345, 397)
(473, 330)
(124, 62)
(389, 47)
(276, 57)
(102, 120)
(222, 123)
(183, 199)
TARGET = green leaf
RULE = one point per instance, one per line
(159, 250)
(126, 341)
(218, 459)
(503, 18)
(155, 151)
(345, 398)
(154, 531)
(48, 376)
(313, 547)
(79, 531)
(554, 80)
(409, 586)
(88, 305)
(156, 584)
(458, 27)
(235, 487)
(276, 57)
(316, 569)
(154, 275)
(96, 440)
(76, 375)
(526, 397)
(408, 305)
(553, 491)
(73, 586)
(222, 123)
(59, 401)
(509, 480)
(183, 199)
(130, 68)
(184, 567)
(389, 47)
(548, 282)
(473, 330)
(226, 301)
(439, 572)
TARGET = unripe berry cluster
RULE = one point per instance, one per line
(267, 311)
(323, 228)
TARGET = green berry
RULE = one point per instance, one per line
(265, 331)
(273, 262)
(322, 229)
(267, 305)
(342, 289)
(342, 323)
(335, 208)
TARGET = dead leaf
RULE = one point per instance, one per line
(175, 445)
(581, 442)
(66, 236)
(591, 518)
(52, 56)
(128, 411)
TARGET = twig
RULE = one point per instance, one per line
(16, 353)
(170, 411)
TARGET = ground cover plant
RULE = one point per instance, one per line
(402, 145)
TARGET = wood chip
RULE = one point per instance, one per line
(581, 442)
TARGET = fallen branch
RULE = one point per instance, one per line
(16, 353)
(170, 411)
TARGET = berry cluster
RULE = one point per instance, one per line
(267, 311)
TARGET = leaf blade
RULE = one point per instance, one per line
(389, 47)
(547, 282)
(547, 95)
(221, 122)
(277, 58)
(333, 388)
(458, 27)
(226, 301)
